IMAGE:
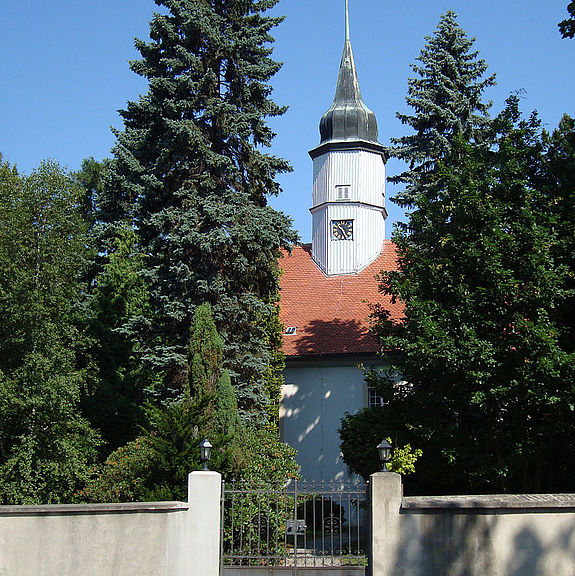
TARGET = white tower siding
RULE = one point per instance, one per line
(362, 170)
(362, 173)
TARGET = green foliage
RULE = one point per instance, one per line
(191, 175)
(122, 477)
(360, 434)
(264, 458)
(567, 26)
(559, 186)
(155, 466)
(486, 276)
(446, 96)
(46, 447)
(206, 353)
(90, 179)
(490, 388)
(403, 459)
(258, 515)
(272, 329)
(114, 403)
(127, 252)
(208, 381)
(226, 417)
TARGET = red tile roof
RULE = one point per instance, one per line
(331, 313)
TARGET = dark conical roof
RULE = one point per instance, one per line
(348, 118)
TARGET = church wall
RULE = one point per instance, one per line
(369, 230)
(316, 396)
(320, 239)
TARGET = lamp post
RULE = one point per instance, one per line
(205, 452)
(384, 450)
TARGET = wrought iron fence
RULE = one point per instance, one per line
(294, 524)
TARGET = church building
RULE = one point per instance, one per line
(327, 287)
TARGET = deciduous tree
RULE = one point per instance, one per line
(46, 447)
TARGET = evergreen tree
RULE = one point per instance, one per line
(209, 383)
(190, 173)
(446, 97)
(118, 301)
(115, 302)
(46, 447)
(490, 388)
(205, 354)
(155, 465)
(91, 178)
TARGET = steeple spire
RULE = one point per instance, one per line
(347, 20)
(348, 118)
(348, 206)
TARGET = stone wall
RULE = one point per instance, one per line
(529, 535)
(521, 535)
(140, 539)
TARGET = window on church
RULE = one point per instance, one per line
(291, 331)
(374, 399)
(343, 192)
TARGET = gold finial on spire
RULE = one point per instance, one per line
(347, 19)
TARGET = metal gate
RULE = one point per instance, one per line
(297, 525)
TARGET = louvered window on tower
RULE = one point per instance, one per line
(343, 192)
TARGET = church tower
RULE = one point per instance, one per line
(348, 212)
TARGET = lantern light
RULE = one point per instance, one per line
(384, 450)
(205, 452)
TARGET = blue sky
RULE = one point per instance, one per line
(64, 72)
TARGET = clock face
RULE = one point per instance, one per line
(342, 229)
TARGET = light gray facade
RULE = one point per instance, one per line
(316, 396)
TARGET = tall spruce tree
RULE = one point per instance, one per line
(191, 174)
(490, 392)
(446, 98)
(47, 449)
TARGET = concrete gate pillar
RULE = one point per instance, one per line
(194, 541)
(386, 492)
